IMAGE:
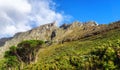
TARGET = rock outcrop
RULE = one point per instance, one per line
(3, 40)
(90, 23)
(40, 33)
(50, 32)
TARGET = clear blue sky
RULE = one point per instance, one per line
(102, 11)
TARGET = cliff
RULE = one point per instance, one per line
(51, 33)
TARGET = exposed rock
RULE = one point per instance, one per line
(53, 34)
(65, 26)
(64, 33)
(72, 25)
(40, 33)
(76, 24)
(3, 40)
(90, 23)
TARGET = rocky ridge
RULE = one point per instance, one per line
(52, 33)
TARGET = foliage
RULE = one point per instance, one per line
(24, 52)
(108, 56)
(99, 52)
(27, 50)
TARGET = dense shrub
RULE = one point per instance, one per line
(27, 50)
(24, 52)
(108, 56)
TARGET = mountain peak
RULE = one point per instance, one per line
(91, 23)
(50, 32)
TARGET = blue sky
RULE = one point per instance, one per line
(22, 15)
(102, 11)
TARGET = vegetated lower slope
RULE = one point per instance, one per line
(96, 49)
(97, 52)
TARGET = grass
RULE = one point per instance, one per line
(69, 55)
(59, 55)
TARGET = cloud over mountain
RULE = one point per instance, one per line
(22, 15)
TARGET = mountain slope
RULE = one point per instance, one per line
(67, 45)
(48, 32)
(72, 55)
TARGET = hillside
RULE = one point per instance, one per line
(76, 55)
(70, 47)
(46, 32)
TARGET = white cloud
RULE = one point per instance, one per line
(19, 15)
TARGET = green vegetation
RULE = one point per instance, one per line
(107, 56)
(95, 52)
(27, 50)
(100, 52)
(24, 53)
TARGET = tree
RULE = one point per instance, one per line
(27, 49)
(11, 60)
(24, 52)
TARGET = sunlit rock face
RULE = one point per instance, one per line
(42, 32)
(52, 33)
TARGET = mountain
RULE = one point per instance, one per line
(65, 32)
(43, 32)
(69, 41)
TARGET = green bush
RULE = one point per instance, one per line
(24, 52)
(27, 49)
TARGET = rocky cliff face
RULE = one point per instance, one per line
(50, 32)
(40, 33)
